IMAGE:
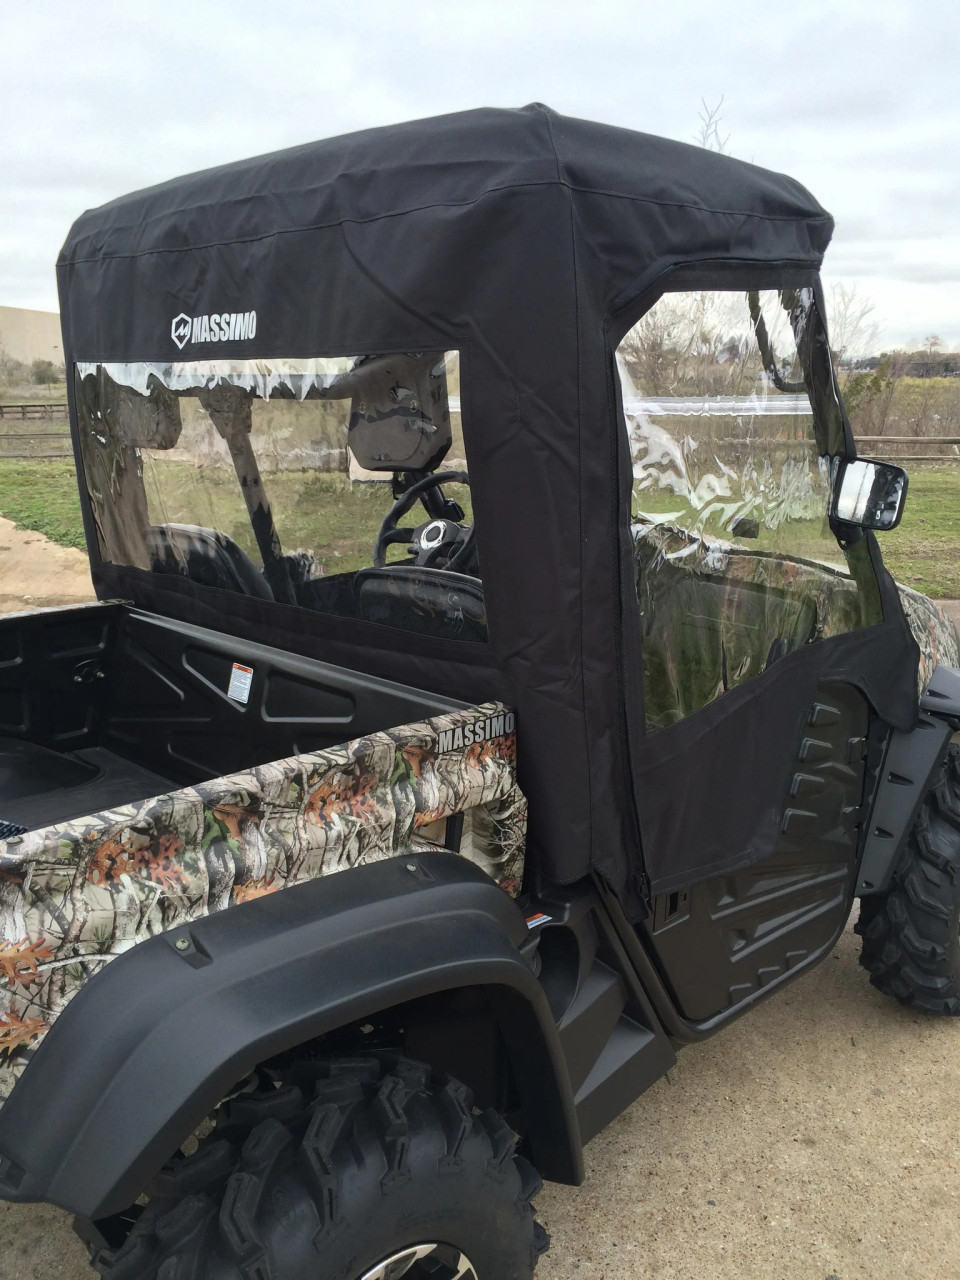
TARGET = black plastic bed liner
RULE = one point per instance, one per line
(39, 786)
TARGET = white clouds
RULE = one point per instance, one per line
(857, 100)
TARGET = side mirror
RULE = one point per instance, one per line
(870, 495)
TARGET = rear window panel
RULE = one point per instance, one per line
(272, 479)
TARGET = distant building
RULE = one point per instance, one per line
(909, 364)
(31, 335)
(940, 366)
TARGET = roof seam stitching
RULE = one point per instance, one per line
(448, 204)
(576, 298)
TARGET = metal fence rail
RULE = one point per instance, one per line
(888, 448)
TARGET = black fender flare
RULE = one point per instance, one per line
(910, 763)
(157, 1039)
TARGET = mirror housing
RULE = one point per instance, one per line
(869, 494)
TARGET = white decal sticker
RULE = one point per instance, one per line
(241, 679)
(220, 326)
(478, 731)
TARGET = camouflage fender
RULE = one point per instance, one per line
(933, 631)
(76, 895)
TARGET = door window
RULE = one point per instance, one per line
(734, 431)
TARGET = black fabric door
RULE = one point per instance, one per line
(723, 940)
(747, 601)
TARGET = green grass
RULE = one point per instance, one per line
(924, 552)
(320, 511)
(42, 495)
(316, 511)
(313, 510)
(30, 393)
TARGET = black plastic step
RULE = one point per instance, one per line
(631, 1060)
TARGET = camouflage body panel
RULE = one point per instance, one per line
(831, 589)
(933, 631)
(75, 895)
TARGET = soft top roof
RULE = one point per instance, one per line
(448, 161)
(528, 242)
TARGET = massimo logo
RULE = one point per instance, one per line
(224, 326)
(480, 731)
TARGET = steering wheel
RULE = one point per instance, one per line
(435, 541)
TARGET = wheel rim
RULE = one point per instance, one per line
(436, 1261)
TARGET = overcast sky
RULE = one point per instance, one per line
(859, 99)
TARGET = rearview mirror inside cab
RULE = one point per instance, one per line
(869, 494)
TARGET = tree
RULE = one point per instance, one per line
(867, 397)
(11, 370)
(43, 373)
(853, 328)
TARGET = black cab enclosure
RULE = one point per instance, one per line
(479, 486)
(528, 244)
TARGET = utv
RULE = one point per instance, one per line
(519, 433)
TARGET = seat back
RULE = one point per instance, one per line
(435, 602)
(205, 556)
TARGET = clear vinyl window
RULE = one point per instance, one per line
(339, 485)
(734, 431)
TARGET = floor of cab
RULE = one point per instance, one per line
(39, 786)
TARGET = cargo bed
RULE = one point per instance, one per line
(122, 826)
(39, 786)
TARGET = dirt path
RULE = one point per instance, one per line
(35, 572)
(952, 607)
(816, 1139)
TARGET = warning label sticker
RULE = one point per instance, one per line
(241, 679)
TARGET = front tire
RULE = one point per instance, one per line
(911, 933)
(384, 1172)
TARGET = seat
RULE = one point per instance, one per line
(708, 627)
(433, 602)
(205, 556)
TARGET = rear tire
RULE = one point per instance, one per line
(380, 1159)
(911, 933)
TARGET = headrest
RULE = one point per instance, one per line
(399, 411)
(150, 421)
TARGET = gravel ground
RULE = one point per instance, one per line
(816, 1139)
(35, 572)
(952, 607)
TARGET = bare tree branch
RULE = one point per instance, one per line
(708, 135)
